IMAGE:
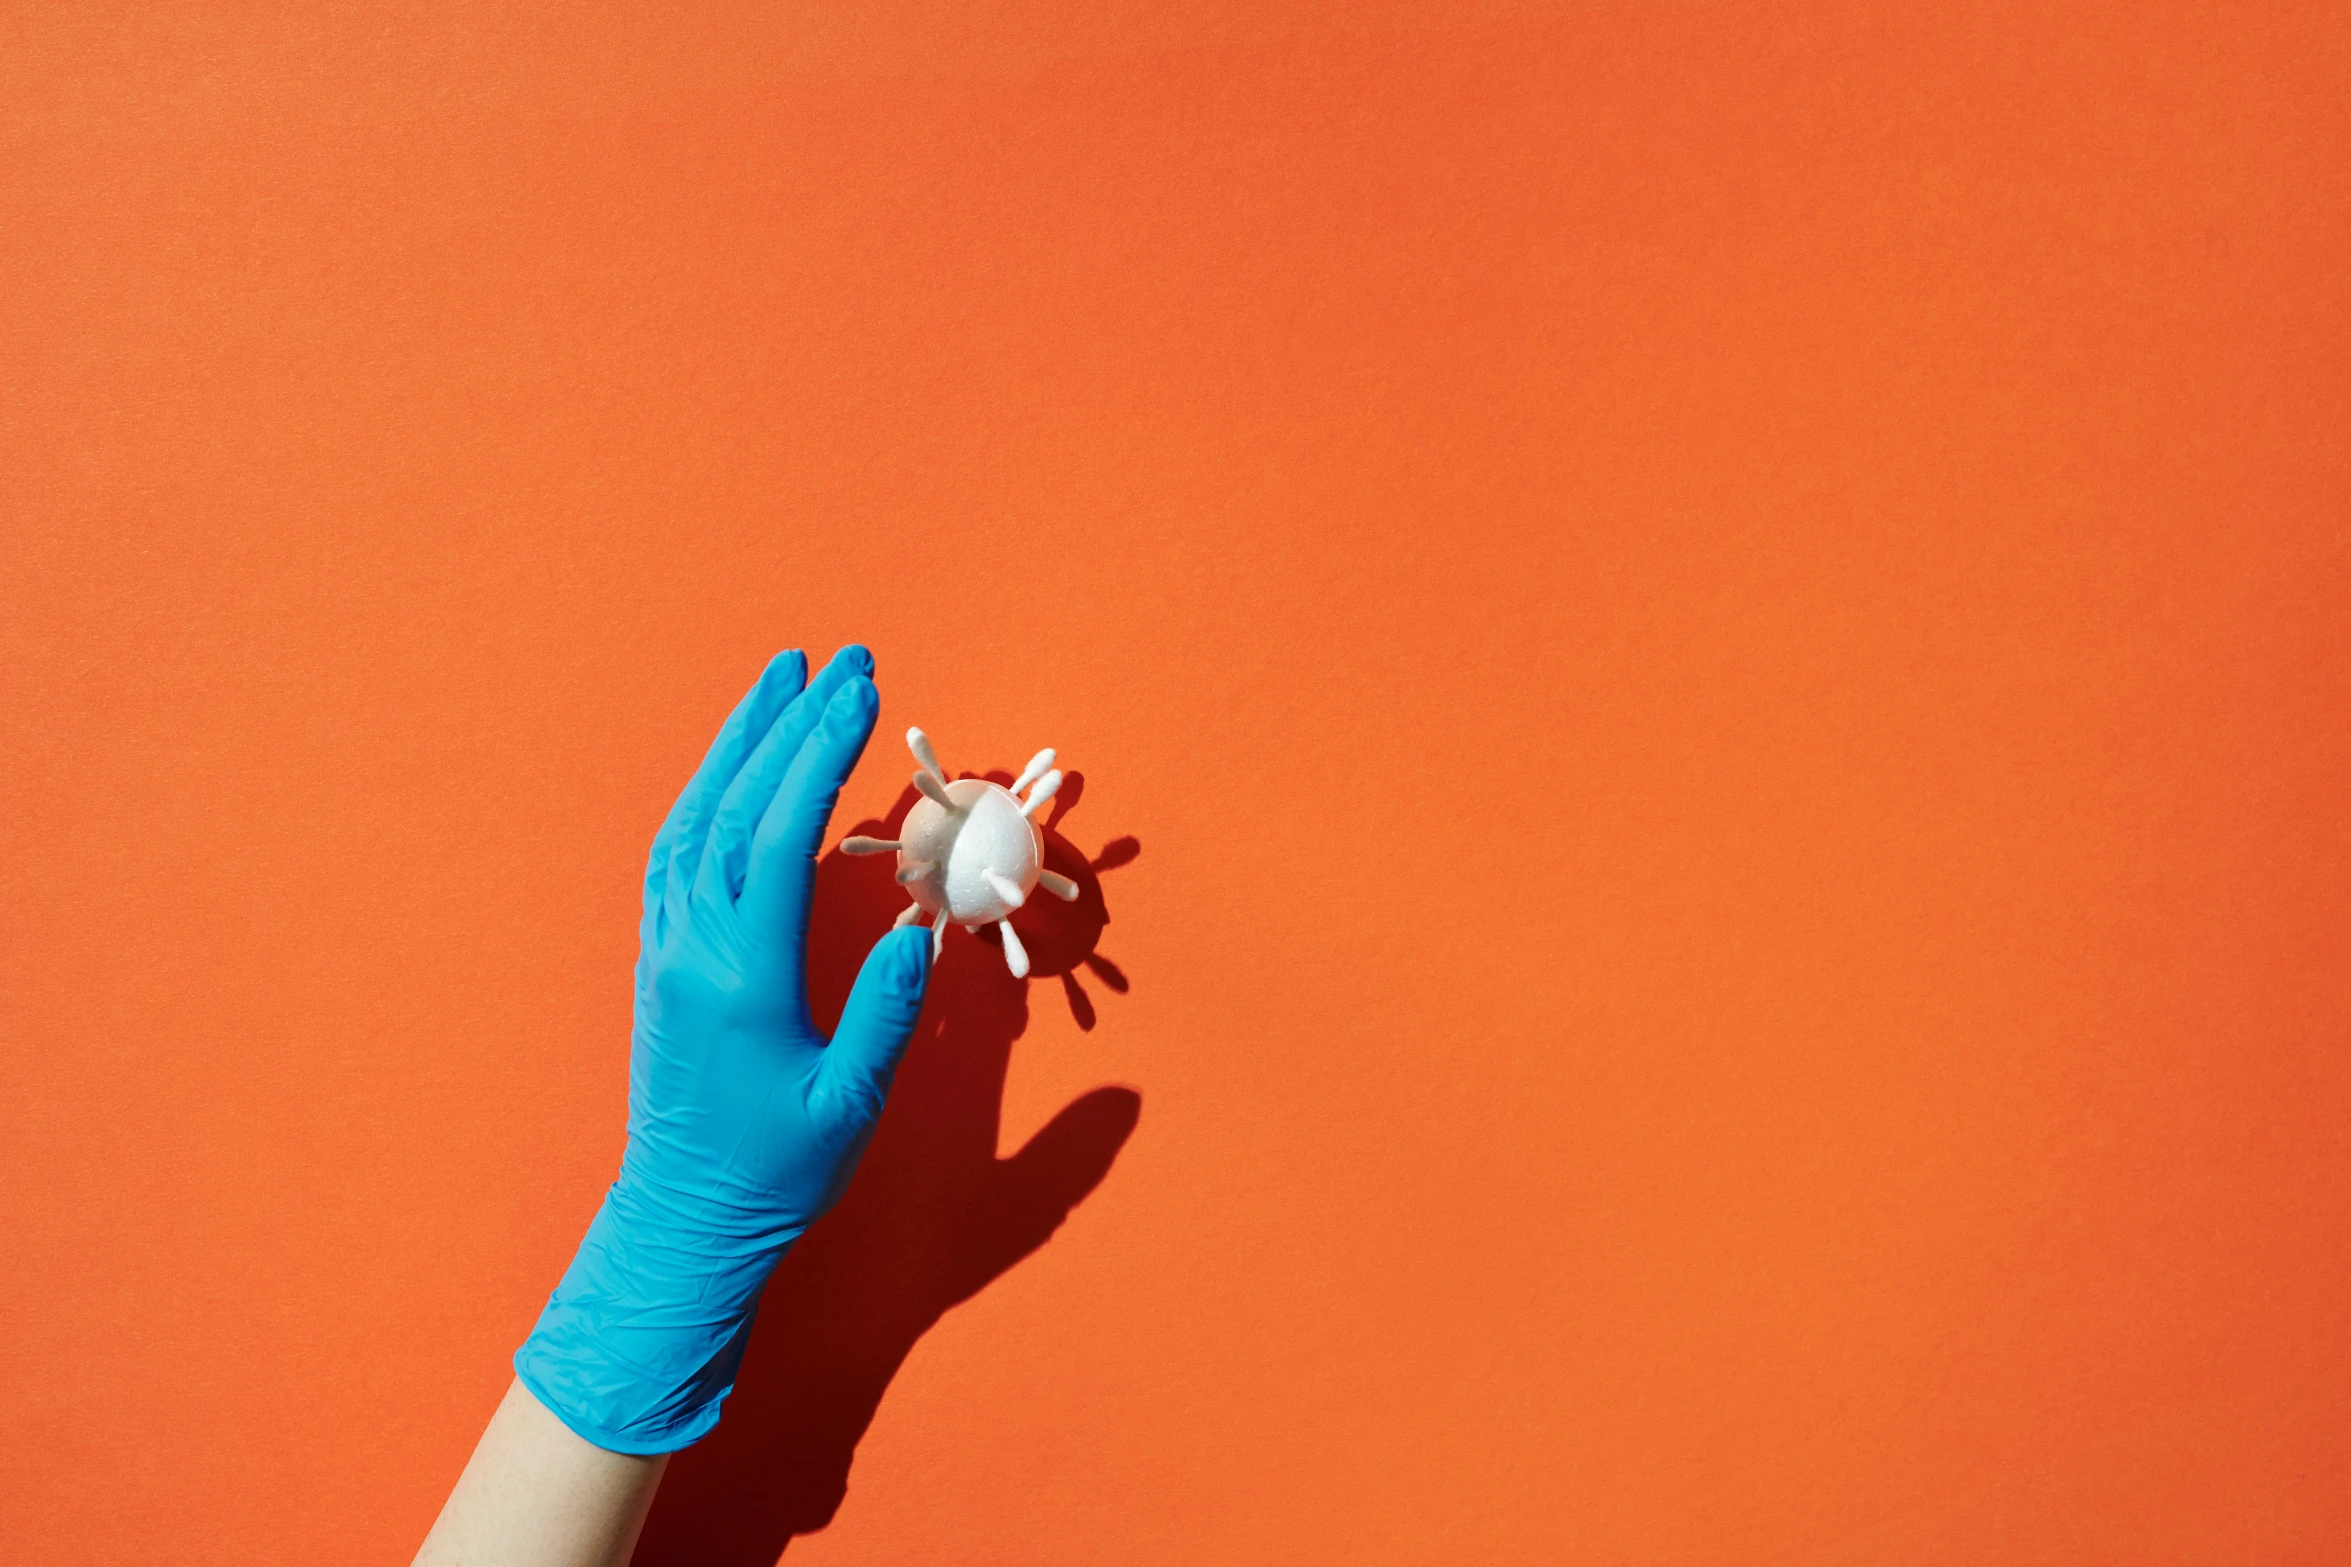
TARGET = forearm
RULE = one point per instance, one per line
(535, 1495)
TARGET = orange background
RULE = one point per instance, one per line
(1722, 636)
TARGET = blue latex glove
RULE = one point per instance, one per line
(744, 1124)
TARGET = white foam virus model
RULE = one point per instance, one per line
(969, 852)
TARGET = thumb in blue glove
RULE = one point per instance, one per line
(745, 1124)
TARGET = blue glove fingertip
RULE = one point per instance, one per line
(910, 959)
(865, 703)
(848, 719)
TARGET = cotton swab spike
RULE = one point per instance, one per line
(913, 871)
(920, 744)
(1016, 956)
(907, 916)
(1005, 887)
(1059, 885)
(1046, 788)
(933, 789)
(863, 845)
(1035, 770)
(938, 935)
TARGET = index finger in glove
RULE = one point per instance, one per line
(782, 872)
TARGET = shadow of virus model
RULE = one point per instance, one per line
(969, 851)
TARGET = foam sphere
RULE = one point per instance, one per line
(980, 856)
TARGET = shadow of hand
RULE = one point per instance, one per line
(931, 1218)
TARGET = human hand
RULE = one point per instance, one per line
(744, 1123)
(936, 1214)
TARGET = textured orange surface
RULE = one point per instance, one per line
(1721, 634)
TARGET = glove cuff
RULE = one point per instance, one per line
(640, 1342)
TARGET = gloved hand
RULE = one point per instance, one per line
(744, 1124)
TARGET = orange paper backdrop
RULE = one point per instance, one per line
(1720, 634)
